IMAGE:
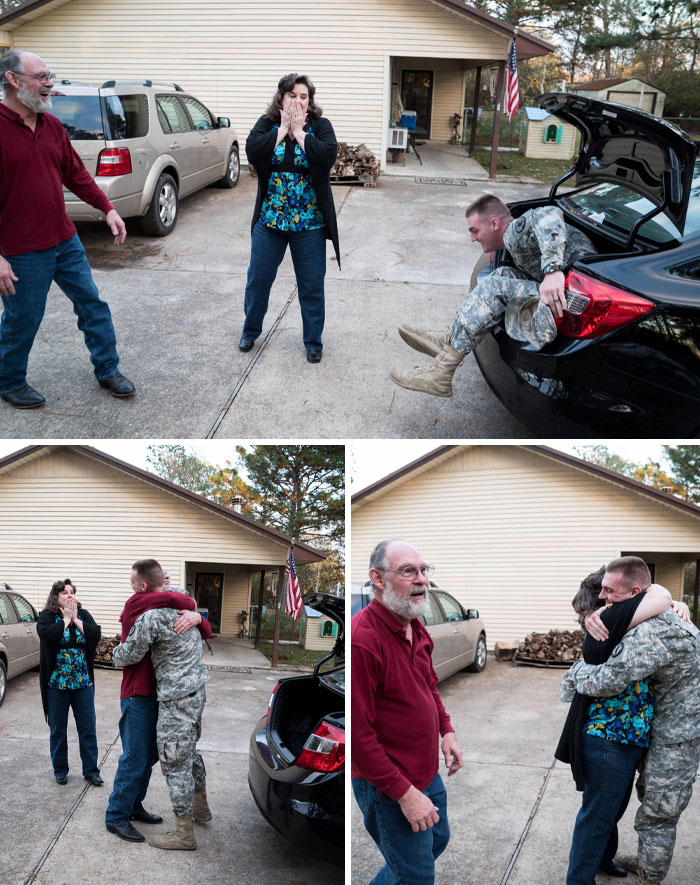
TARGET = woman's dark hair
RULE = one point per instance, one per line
(587, 599)
(285, 85)
(52, 602)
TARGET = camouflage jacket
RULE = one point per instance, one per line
(540, 237)
(177, 657)
(665, 648)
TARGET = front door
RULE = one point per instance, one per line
(417, 95)
(208, 588)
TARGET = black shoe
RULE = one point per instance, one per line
(61, 779)
(610, 868)
(126, 831)
(314, 355)
(245, 344)
(95, 779)
(145, 817)
(24, 398)
(118, 385)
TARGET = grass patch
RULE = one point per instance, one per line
(293, 654)
(515, 163)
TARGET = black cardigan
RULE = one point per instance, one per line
(50, 635)
(321, 151)
(570, 748)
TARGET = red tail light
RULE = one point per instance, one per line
(114, 161)
(595, 308)
(269, 703)
(324, 750)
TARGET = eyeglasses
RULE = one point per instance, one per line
(411, 572)
(39, 77)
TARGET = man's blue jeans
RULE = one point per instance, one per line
(82, 700)
(410, 857)
(137, 729)
(608, 771)
(23, 312)
(308, 248)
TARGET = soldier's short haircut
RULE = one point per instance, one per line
(488, 206)
(149, 571)
(634, 570)
(378, 557)
(588, 599)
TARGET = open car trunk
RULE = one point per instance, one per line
(298, 706)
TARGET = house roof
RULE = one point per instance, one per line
(444, 453)
(302, 552)
(527, 45)
(597, 85)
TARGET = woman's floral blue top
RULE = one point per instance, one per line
(71, 669)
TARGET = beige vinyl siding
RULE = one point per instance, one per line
(231, 54)
(535, 145)
(63, 515)
(512, 533)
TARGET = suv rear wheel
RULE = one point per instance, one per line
(161, 217)
(233, 170)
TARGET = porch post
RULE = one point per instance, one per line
(697, 592)
(281, 590)
(475, 111)
(497, 119)
(258, 616)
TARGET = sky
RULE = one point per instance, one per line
(368, 460)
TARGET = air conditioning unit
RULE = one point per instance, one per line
(398, 139)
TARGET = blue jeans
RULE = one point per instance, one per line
(608, 771)
(308, 248)
(82, 700)
(23, 312)
(137, 729)
(410, 857)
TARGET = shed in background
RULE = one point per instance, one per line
(544, 135)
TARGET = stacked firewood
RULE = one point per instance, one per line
(562, 646)
(105, 647)
(353, 160)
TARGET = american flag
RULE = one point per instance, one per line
(512, 98)
(292, 604)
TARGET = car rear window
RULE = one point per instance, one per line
(81, 116)
(126, 116)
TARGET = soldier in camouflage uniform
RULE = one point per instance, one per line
(667, 649)
(180, 676)
(527, 295)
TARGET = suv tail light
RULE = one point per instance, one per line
(595, 308)
(324, 750)
(114, 161)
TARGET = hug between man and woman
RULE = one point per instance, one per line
(635, 705)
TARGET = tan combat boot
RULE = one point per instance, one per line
(631, 863)
(202, 812)
(435, 379)
(423, 340)
(182, 840)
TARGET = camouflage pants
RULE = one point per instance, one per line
(179, 728)
(664, 788)
(504, 292)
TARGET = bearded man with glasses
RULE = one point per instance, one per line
(38, 242)
(398, 718)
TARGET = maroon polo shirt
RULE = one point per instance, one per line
(397, 714)
(34, 166)
(140, 678)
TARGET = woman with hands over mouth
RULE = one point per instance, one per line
(293, 149)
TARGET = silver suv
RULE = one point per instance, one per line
(19, 642)
(147, 144)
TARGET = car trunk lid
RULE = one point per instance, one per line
(81, 116)
(624, 145)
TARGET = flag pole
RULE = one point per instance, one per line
(281, 594)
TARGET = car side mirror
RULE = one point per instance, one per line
(472, 614)
(223, 122)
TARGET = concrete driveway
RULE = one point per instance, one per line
(54, 835)
(511, 807)
(177, 306)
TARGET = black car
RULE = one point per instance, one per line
(296, 764)
(19, 642)
(627, 357)
(459, 638)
